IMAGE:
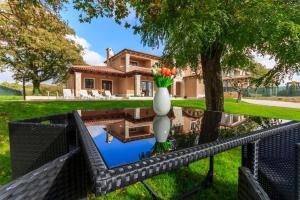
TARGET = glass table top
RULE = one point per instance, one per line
(125, 136)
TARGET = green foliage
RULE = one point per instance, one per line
(163, 81)
(162, 147)
(191, 28)
(34, 43)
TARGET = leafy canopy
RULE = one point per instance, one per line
(33, 43)
(190, 29)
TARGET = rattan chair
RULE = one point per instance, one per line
(63, 178)
(275, 166)
(248, 187)
(46, 160)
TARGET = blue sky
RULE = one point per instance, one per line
(102, 33)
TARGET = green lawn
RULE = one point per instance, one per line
(5, 98)
(168, 184)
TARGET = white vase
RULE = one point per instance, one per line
(161, 128)
(161, 101)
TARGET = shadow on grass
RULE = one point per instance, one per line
(172, 184)
(176, 183)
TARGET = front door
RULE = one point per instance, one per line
(107, 85)
(147, 88)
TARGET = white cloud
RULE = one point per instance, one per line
(266, 60)
(89, 56)
(6, 76)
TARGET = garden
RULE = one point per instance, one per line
(166, 185)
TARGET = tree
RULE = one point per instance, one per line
(212, 33)
(34, 44)
(257, 71)
(238, 84)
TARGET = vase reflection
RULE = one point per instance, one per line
(161, 128)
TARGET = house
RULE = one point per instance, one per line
(128, 74)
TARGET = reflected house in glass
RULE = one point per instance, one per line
(232, 120)
(126, 125)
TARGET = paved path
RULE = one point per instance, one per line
(273, 103)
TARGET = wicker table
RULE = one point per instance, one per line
(114, 161)
(98, 151)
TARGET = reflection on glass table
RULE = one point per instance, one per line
(125, 136)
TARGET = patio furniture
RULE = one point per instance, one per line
(110, 96)
(67, 94)
(47, 163)
(62, 178)
(274, 163)
(70, 155)
(110, 173)
(249, 188)
(96, 94)
(84, 94)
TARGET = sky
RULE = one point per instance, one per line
(104, 33)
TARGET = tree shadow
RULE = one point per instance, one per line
(185, 179)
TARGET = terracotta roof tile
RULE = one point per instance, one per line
(111, 70)
(133, 52)
(104, 69)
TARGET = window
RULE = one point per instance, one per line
(133, 63)
(89, 83)
(107, 85)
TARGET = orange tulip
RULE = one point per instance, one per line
(168, 72)
(174, 71)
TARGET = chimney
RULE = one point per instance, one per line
(108, 55)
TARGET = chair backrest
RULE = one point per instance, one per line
(67, 92)
(84, 93)
(64, 177)
(107, 93)
(95, 93)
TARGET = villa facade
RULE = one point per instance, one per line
(128, 74)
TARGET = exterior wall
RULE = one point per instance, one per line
(98, 82)
(194, 87)
(70, 84)
(126, 86)
(118, 63)
(190, 86)
(200, 88)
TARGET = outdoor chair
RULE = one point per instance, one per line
(84, 94)
(110, 96)
(62, 178)
(47, 162)
(249, 188)
(96, 94)
(67, 94)
(275, 164)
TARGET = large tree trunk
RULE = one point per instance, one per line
(212, 75)
(36, 87)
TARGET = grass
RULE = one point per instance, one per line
(5, 98)
(168, 184)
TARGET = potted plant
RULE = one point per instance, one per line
(163, 77)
